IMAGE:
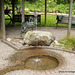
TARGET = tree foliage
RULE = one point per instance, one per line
(52, 5)
(42, 1)
(10, 1)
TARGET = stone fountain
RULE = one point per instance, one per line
(37, 57)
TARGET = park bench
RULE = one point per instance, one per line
(17, 18)
(64, 20)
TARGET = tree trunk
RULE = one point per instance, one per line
(70, 19)
(23, 18)
(13, 12)
(45, 11)
(2, 19)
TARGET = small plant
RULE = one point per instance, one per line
(68, 43)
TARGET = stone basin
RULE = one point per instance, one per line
(36, 59)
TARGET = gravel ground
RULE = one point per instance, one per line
(6, 51)
(59, 33)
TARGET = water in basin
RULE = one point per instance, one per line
(41, 62)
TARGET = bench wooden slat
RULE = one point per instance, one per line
(18, 18)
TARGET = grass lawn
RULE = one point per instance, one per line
(51, 20)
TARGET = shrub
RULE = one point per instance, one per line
(31, 10)
(73, 12)
(67, 11)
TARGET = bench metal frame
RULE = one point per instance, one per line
(64, 20)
